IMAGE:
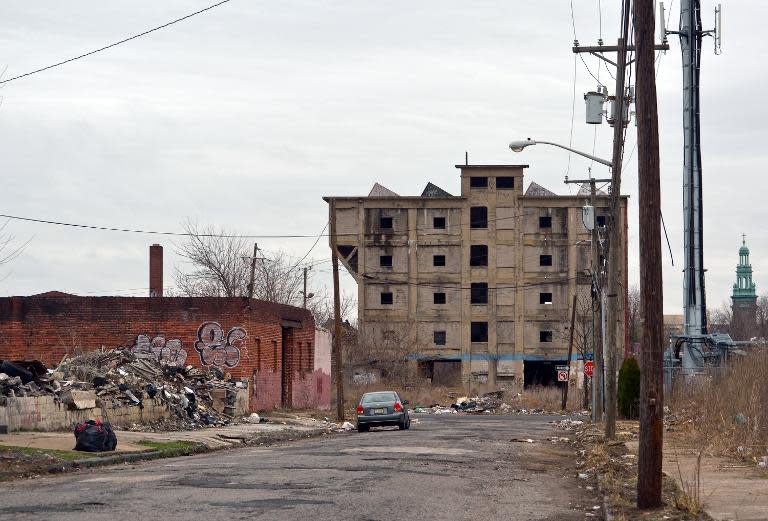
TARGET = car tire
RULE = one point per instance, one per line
(363, 428)
(408, 424)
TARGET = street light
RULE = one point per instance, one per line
(518, 146)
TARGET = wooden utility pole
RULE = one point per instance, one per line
(570, 350)
(614, 292)
(597, 336)
(337, 354)
(252, 280)
(649, 478)
(304, 293)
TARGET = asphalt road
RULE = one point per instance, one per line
(445, 468)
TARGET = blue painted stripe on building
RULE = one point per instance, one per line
(466, 357)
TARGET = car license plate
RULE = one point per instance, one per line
(379, 411)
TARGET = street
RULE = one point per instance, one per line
(446, 467)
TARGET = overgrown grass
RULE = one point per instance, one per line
(725, 410)
(64, 455)
(169, 449)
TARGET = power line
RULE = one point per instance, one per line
(153, 232)
(114, 44)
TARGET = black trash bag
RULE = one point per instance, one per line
(11, 369)
(95, 436)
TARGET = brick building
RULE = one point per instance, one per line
(270, 345)
(475, 287)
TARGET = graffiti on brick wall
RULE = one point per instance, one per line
(169, 352)
(217, 349)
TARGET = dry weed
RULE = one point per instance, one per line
(725, 410)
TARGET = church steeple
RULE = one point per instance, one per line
(744, 288)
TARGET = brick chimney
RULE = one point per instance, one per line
(155, 270)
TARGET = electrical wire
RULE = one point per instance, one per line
(115, 43)
(153, 232)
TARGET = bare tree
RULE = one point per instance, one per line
(634, 313)
(762, 316)
(321, 306)
(219, 265)
(8, 252)
(722, 318)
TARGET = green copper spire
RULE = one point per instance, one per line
(744, 287)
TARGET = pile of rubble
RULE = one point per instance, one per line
(121, 378)
(489, 403)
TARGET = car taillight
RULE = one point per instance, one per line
(359, 409)
(398, 407)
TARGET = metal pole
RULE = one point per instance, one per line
(337, 339)
(597, 352)
(305, 288)
(694, 302)
(649, 478)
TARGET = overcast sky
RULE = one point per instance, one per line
(245, 116)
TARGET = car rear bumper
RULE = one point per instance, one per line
(381, 419)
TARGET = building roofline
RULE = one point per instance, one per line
(327, 198)
(566, 197)
(491, 166)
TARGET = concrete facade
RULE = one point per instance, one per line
(421, 263)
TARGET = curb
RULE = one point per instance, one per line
(109, 460)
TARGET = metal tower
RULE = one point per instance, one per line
(694, 294)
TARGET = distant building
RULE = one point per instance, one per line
(673, 325)
(744, 298)
(471, 288)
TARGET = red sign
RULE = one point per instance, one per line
(562, 376)
(589, 369)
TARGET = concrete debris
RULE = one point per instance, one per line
(121, 378)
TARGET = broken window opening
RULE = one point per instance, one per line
(478, 182)
(438, 260)
(385, 223)
(438, 223)
(545, 260)
(438, 298)
(478, 255)
(479, 331)
(387, 298)
(545, 222)
(478, 217)
(545, 298)
(545, 336)
(478, 293)
(440, 338)
(505, 183)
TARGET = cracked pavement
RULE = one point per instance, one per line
(450, 467)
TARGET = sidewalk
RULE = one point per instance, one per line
(212, 438)
(729, 490)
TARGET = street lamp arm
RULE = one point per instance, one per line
(518, 146)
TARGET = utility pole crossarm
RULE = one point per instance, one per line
(614, 48)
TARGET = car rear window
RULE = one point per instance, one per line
(379, 397)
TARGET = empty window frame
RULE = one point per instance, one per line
(478, 182)
(478, 217)
(438, 298)
(545, 260)
(545, 298)
(385, 261)
(478, 293)
(479, 332)
(438, 223)
(545, 221)
(600, 221)
(478, 255)
(440, 338)
(385, 223)
(545, 336)
(505, 183)
(387, 298)
(438, 260)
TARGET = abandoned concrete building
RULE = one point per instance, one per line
(471, 288)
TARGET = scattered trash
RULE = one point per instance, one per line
(253, 418)
(346, 426)
(583, 475)
(763, 463)
(740, 419)
(525, 440)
